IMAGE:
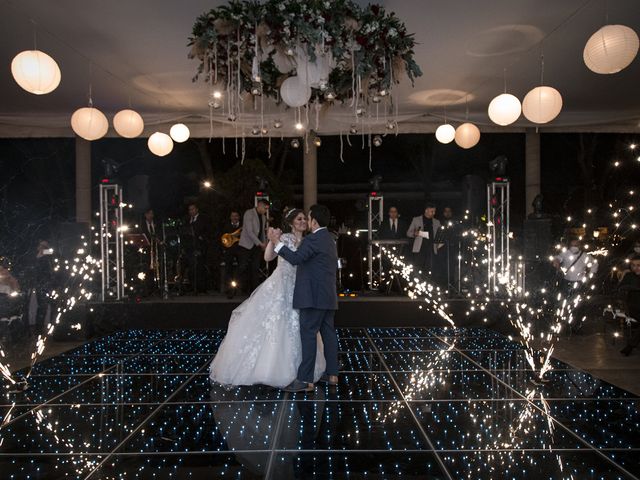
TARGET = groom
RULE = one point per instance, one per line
(315, 296)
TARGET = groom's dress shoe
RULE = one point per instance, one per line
(298, 386)
(331, 380)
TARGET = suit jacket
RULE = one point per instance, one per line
(201, 230)
(385, 233)
(157, 230)
(417, 241)
(317, 261)
(249, 237)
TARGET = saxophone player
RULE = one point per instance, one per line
(230, 257)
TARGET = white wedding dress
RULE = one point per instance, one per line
(262, 345)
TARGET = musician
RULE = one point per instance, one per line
(253, 241)
(152, 230)
(197, 240)
(392, 228)
(231, 255)
(423, 230)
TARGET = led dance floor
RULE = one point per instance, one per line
(428, 403)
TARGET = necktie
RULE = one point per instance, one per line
(393, 229)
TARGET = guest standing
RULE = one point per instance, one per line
(423, 230)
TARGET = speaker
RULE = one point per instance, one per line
(537, 238)
(474, 190)
(137, 193)
(66, 238)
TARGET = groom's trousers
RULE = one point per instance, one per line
(312, 321)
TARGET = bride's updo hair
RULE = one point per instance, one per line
(289, 216)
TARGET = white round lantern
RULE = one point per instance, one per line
(504, 109)
(128, 123)
(542, 104)
(294, 93)
(160, 144)
(179, 132)
(611, 49)
(445, 133)
(467, 135)
(89, 123)
(36, 72)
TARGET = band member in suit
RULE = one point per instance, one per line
(231, 255)
(392, 228)
(197, 239)
(152, 230)
(253, 241)
(423, 230)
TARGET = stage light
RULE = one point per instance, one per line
(299, 126)
(217, 94)
(317, 141)
(206, 184)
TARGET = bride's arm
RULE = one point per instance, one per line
(269, 253)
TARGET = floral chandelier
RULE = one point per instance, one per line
(312, 53)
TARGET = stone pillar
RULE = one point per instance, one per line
(532, 168)
(310, 172)
(83, 181)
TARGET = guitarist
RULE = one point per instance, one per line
(230, 255)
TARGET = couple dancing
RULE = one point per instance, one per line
(283, 334)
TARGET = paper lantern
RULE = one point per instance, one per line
(445, 133)
(128, 123)
(542, 104)
(179, 132)
(36, 72)
(160, 144)
(504, 109)
(294, 93)
(611, 49)
(467, 135)
(89, 123)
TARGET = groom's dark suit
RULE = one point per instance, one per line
(315, 296)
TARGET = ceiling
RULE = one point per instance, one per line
(138, 54)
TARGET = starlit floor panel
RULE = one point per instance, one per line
(421, 403)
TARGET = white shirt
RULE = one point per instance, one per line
(279, 246)
(194, 218)
(150, 227)
(393, 224)
(579, 272)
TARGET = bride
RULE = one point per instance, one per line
(263, 345)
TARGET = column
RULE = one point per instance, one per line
(83, 181)
(310, 172)
(532, 168)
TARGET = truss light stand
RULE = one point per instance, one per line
(498, 239)
(111, 241)
(374, 252)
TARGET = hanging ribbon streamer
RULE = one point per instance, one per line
(370, 153)
(244, 149)
(341, 147)
(269, 147)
